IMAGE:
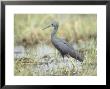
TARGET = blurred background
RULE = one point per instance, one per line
(36, 56)
(27, 27)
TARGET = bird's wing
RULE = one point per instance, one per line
(66, 43)
(63, 46)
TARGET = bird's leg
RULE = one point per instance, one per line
(67, 55)
(62, 56)
(64, 60)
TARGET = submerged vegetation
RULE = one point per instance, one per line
(38, 57)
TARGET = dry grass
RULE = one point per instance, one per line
(74, 27)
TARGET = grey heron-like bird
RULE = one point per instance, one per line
(63, 47)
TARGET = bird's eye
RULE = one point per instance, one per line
(52, 24)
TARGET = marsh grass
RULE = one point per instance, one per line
(38, 57)
(50, 63)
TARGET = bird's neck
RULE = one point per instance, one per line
(53, 34)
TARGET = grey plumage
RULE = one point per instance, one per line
(63, 47)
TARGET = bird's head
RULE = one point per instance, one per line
(54, 25)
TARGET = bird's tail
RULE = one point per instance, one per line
(77, 56)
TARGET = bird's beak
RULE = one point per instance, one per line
(46, 27)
